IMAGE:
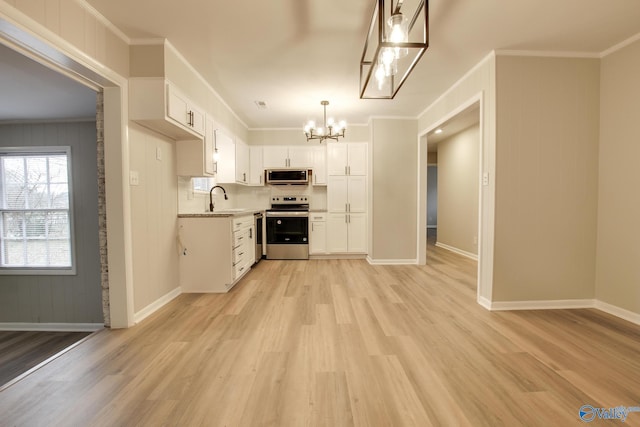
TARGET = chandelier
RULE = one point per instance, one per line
(395, 42)
(329, 130)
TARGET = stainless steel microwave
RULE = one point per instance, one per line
(287, 176)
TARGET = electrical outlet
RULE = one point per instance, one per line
(485, 178)
(134, 178)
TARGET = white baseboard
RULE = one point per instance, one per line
(486, 303)
(432, 226)
(541, 305)
(392, 261)
(156, 305)
(51, 327)
(458, 251)
(618, 312)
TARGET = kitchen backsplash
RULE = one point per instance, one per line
(241, 196)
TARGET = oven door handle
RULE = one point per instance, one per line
(287, 214)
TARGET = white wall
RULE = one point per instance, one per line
(154, 210)
(458, 178)
(618, 269)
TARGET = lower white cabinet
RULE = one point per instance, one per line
(317, 233)
(215, 251)
(347, 232)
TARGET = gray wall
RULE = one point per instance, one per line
(393, 191)
(432, 196)
(458, 181)
(61, 299)
(618, 269)
(547, 178)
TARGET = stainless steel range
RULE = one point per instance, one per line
(288, 228)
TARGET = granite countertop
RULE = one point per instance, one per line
(222, 213)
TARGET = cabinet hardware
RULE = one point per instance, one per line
(244, 177)
(312, 227)
(345, 170)
(241, 253)
(349, 168)
(251, 233)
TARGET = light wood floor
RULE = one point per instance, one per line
(340, 343)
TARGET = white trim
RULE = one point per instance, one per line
(458, 251)
(156, 305)
(432, 226)
(618, 312)
(548, 54)
(51, 327)
(391, 261)
(542, 305)
(461, 80)
(484, 302)
(620, 45)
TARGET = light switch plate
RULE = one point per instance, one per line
(158, 153)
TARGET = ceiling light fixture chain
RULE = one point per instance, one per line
(329, 130)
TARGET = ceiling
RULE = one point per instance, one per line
(31, 91)
(292, 54)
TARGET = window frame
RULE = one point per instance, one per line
(43, 151)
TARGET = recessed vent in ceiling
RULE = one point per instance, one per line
(261, 105)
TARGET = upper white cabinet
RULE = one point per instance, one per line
(226, 164)
(319, 165)
(278, 156)
(256, 168)
(183, 111)
(242, 163)
(159, 105)
(347, 158)
(195, 156)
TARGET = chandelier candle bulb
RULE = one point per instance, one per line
(329, 131)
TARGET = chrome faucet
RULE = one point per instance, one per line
(211, 196)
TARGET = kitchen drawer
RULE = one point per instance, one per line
(240, 237)
(239, 255)
(317, 216)
(242, 222)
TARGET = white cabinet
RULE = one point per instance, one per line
(280, 156)
(216, 252)
(244, 254)
(242, 163)
(347, 194)
(347, 198)
(184, 111)
(347, 158)
(319, 165)
(157, 104)
(226, 164)
(317, 233)
(256, 168)
(195, 156)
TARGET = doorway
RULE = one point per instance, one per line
(453, 147)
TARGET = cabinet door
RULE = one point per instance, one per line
(320, 165)
(275, 156)
(357, 193)
(226, 158)
(209, 147)
(337, 193)
(300, 157)
(318, 237)
(337, 228)
(197, 119)
(256, 170)
(336, 158)
(357, 158)
(357, 232)
(177, 106)
(242, 162)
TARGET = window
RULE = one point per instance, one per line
(202, 184)
(36, 211)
